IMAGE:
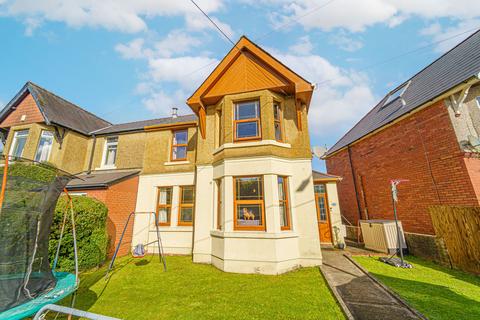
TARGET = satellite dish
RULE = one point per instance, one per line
(319, 152)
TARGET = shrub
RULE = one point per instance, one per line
(92, 238)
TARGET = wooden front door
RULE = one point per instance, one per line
(323, 213)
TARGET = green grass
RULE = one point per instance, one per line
(139, 289)
(435, 291)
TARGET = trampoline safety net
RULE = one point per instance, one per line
(29, 194)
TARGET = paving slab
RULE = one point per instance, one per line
(363, 297)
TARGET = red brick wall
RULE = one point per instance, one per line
(472, 163)
(26, 107)
(422, 148)
(121, 199)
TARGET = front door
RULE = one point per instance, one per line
(323, 214)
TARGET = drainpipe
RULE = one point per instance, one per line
(90, 162)
(354, 182)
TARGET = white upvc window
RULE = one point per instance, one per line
(110, 153)
(18, 143)
(44, 146)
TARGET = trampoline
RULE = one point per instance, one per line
(28, 197)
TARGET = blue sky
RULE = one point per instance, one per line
(132, 60)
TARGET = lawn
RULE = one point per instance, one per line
(139, 289)
(435, 291)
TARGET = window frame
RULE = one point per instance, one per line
(257, 120)
(14, 142)
(172, 145)
(279, 121)
(237, 227)
(218, 183)
(38, 145)
(168, 206)
(286, 203)
(185, 205)
(104, 165)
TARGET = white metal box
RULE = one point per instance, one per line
(381, 235)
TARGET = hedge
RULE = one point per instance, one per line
(92, 238)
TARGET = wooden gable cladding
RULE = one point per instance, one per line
(248, 68)
(246, 74)
(27, 110)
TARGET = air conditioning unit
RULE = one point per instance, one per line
(381, 235)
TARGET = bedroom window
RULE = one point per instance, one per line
(283, 203)
(110, 152)
(248, 203)
(246, 121)
(186, 208)
(179, 145)
(44, 146)
(164, 205)
(18, 143)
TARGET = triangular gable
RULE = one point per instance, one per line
(246, 68)
(22, 109)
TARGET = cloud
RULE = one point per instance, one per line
(172, 72)
(119, 15)
(342, 40)
(356, 16)
(446, 37)
(304, 46)
(341, 98)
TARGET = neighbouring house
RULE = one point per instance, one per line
(426, 130)
(231, 184)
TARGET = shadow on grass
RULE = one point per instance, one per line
(435, 301)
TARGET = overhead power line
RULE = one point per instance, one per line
(385, 61)
(293, 21)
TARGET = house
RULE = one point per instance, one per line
(231, 184)
(426, 130)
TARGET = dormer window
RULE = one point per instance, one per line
(246, 121)
(110, 152)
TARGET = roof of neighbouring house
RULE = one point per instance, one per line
(140, 125)
(56, 110)
(100, 179)
(324, 176)
(456, 66)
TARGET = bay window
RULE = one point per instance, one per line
(277, 122)
(248, 203)
(18, 143)
(179, 145)
(164, 205)
(186, 208)
(283, 203)
(246, 122)
(44, 146)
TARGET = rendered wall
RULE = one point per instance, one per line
(176, 239)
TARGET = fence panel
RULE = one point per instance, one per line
(459, 227)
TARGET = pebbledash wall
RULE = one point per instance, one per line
(422, 148)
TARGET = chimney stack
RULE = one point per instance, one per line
(174, 112)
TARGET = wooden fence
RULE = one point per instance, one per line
(459, 227)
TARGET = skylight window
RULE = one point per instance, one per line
(394, 95)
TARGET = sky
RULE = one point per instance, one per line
(130, 60)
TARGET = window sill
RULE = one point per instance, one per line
(252, 144)
(172, 163)
(173, 229)
(106, 168)
(253, 234)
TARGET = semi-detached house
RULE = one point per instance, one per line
(231, 184)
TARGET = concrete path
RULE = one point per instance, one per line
(363, 297)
